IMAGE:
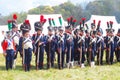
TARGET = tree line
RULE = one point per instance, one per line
(67, 9)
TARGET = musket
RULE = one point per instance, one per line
(80, 41)
(90, 51)
(37, 65)
(90, 57)
(61, 40)
(81, 54)
(23, 52)
(69, 64)
(49, 55)
(60, 55)
(38, 53)
(111, 40)
(100, 53)
(109, 52)
(70, 57)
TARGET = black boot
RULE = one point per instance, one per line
(48, 66)
(28, 68)
(59, 66)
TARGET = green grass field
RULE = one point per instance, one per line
(105, 72)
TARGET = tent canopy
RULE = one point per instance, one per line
(104, 20)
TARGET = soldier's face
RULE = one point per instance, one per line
(87, 34)
(26, 34)
(8, 36)
(111, 34)
(2, 32)
(107, 33)
(99, 33)
(16, 29)
(70, 31)
(66, 30)
(13, 29)
(82, 33)
(61, 32)
(50, 32)
(39, 32)
(56, 31)
(78, 32)
(93, 35)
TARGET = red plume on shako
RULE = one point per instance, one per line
(83, 21)
(27, 22)
(38, 25)
(94, 22)
(14, 16)
(41, 18)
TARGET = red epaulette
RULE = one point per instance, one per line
(4, 45)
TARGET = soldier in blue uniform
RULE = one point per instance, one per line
(61, 48)
(38, 45)
(49, 47)
(87, 36)
(100, 44)
(13, 27)
(8, 46)
(69, 46)
(55, 37)
(117, 45)
(81, 45)
(25, 45)
(109, 40)
(93, 28)
(106, 45)
(69, 42)
(15, 36)
(100, 47)
(76, 51)
(110, 47)
(92, 48)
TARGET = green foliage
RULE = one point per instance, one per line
(105, 8)
(67, 9)
(20, 18)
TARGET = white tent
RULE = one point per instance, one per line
(104, 20)
(34, 18)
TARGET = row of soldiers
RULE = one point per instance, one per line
(72, 45)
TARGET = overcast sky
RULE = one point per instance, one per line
(9, 6)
